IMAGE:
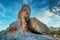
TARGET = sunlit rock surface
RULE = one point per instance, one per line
(38, 26)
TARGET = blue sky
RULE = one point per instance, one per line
(9, 10)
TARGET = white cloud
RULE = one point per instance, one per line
(47, 13)
(43, 2)
(3, 25)
(45, 16)
(1, 22)
(11, 18)
(49, 18)
(2, 8)
(26, 1)
(55, 24)
(33, 5)
(57, 16)
(2, 28)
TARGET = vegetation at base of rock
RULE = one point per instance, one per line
(55, 31)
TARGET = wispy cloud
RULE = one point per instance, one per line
(45, 16)
(2, 10)
(3, 25)
(55, 24)
(50, 19)
(26, 1)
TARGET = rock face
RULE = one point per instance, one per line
(14, 31)
(23, 17)
(38, 26)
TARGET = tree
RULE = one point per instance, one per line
(54, 6)
(51, 29)
(58, 31)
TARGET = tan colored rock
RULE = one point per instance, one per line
(38, 26)
(23, 18)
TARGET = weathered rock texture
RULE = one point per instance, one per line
(38, 26)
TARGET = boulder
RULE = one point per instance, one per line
(38, 26)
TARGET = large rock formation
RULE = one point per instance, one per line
(25, 28)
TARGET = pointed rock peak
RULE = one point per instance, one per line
(25, 11)
(25, 5)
